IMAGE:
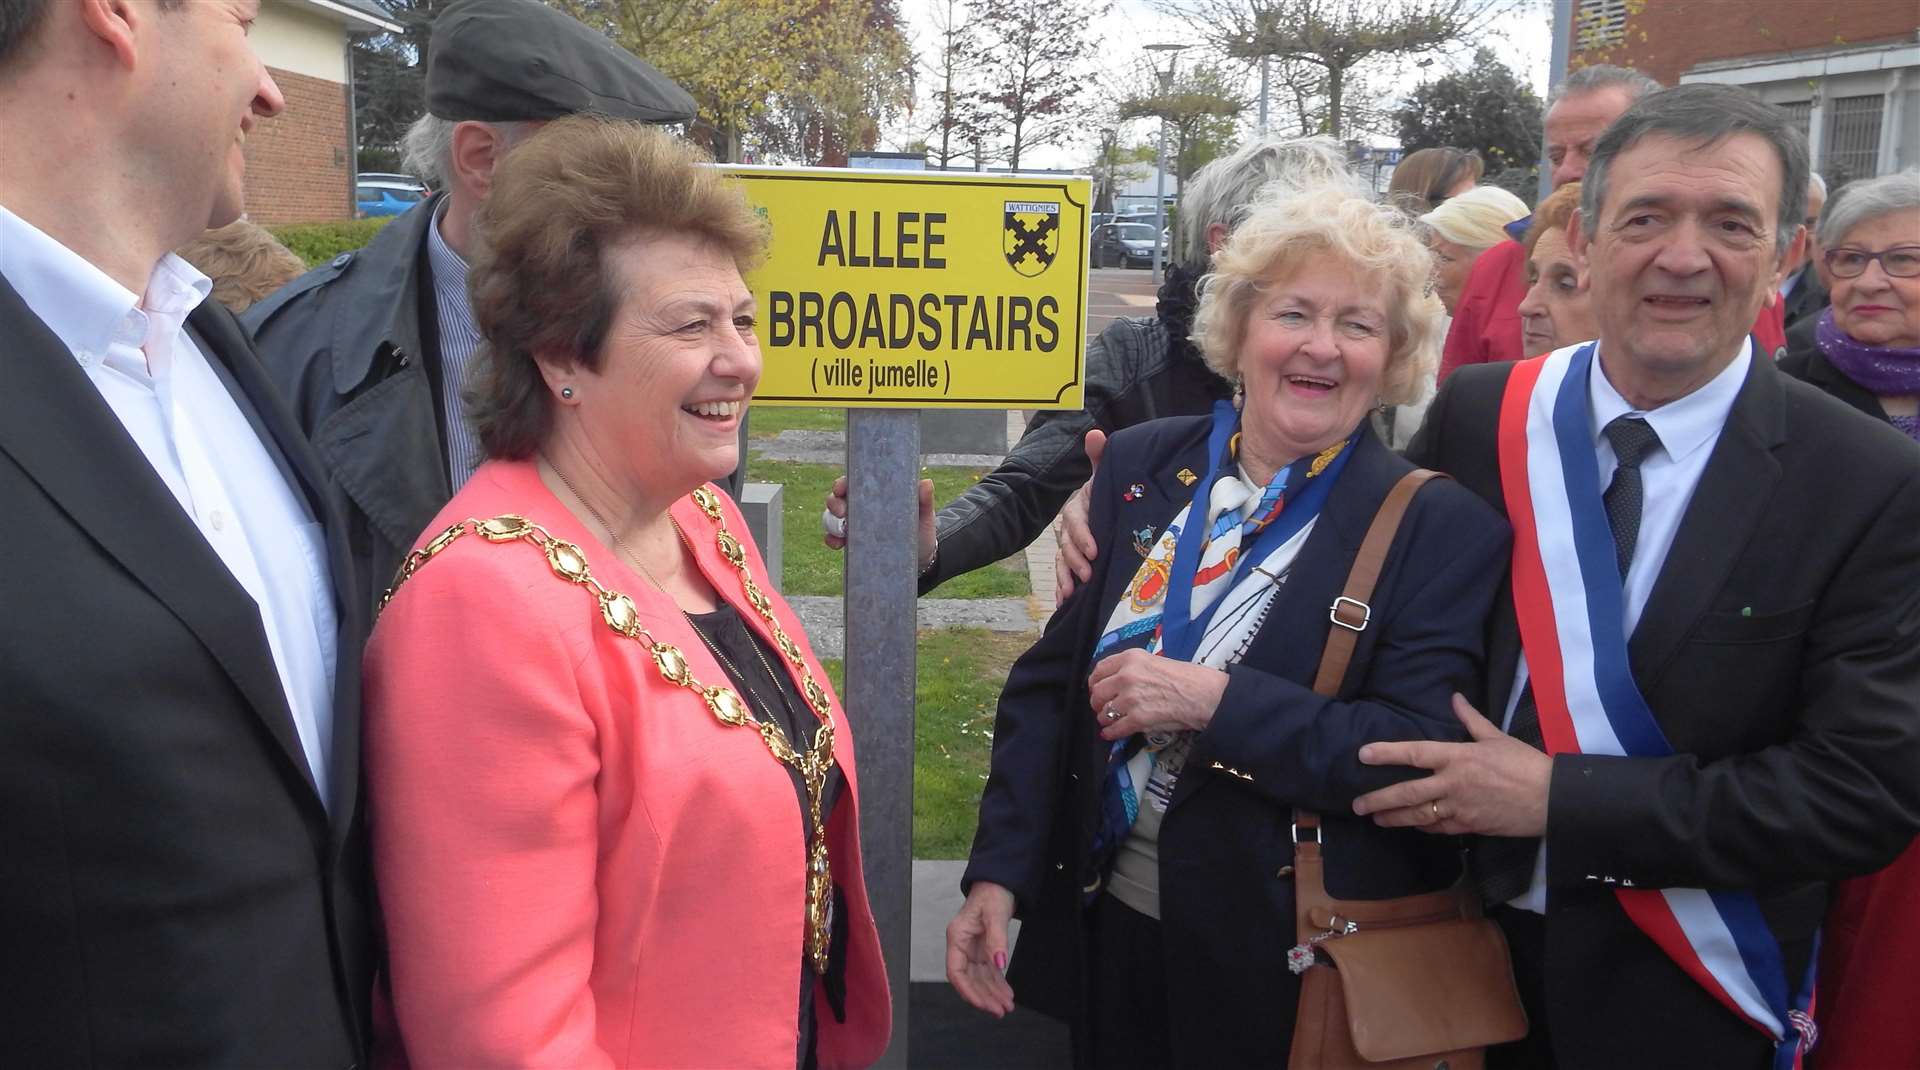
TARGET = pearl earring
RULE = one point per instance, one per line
(566, 392)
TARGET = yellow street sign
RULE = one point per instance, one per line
(917, 289)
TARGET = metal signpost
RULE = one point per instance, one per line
(888, 292)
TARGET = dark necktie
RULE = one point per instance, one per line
(1632, 439)
(1503, 867)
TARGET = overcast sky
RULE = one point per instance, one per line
(1523, 42)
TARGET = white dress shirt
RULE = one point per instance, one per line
(137, 352)
(1688, 429)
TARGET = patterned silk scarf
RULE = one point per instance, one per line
(1202, 594)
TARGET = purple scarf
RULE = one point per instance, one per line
(1884, 371)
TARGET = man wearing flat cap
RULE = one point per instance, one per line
(372, 348)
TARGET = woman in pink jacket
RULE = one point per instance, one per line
(614, 807)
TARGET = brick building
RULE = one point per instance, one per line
(1848, 70)
(300, 164)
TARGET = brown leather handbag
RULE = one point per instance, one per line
(1422, 982)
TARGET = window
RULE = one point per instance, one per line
(1854, 149)
(366, 193)
(1800, 114)
(1600, 24)
(407, 196)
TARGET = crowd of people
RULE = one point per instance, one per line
(388, 679)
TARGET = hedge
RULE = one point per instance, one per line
(317, 243)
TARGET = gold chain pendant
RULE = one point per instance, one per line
(569, 562)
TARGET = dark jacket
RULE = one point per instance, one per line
(353, 346)
(1780, 655)
(1806, 302)
(172, 891)
(1138, 369)
(1872, 934)
(1804, 361)
(1226, 902)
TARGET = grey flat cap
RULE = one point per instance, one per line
(515, 60)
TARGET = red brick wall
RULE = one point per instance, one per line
(298, 161)
(1666, 37)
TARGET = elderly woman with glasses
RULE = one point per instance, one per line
(1865, 350)
(1150, 749)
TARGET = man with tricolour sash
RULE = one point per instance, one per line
(1708, 665)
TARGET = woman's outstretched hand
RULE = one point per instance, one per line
(977, 948)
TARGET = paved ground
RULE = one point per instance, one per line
(1115, 292)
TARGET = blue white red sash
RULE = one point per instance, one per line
(1567, 591)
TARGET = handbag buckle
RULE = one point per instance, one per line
(1342, 611)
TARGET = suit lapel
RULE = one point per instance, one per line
(1735, 491)
(57, 428)
(231, 356)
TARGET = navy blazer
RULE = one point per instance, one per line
(1273, 745)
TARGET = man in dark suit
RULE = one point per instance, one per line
(1765, 620)
(182, 861)
(1803, 293)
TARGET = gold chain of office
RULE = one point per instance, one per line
(618, 610)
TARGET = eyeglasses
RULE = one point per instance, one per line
(1901, 262)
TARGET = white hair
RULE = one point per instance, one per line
(1477, 218)
(1868, 198)
(427, 147)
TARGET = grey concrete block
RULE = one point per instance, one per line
(762, 503)
(963, 431)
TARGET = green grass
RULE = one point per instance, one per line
(961, 672)
(812, 568)
(766, 421)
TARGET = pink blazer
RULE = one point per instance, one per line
(579, 866)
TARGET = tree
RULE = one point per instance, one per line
(1484, 107)
(846, 83)
(1114, 165)
(955, 119)
(389, 81)
(1029, 57)
(1200, 108)
(1338, 37)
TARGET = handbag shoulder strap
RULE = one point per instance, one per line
(1351, 613)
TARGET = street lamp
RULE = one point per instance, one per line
(1160, 167)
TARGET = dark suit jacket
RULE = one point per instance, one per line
(1226, 905)
(1780, 653)
(172, 892)
(1807, 300)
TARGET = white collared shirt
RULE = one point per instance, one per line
(1688, 428)
(151, 373)
(459, 341)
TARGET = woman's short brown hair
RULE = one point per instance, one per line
(561, 201)
(1553, 213)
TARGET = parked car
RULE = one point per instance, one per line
(380, 194)
(1124, 245)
